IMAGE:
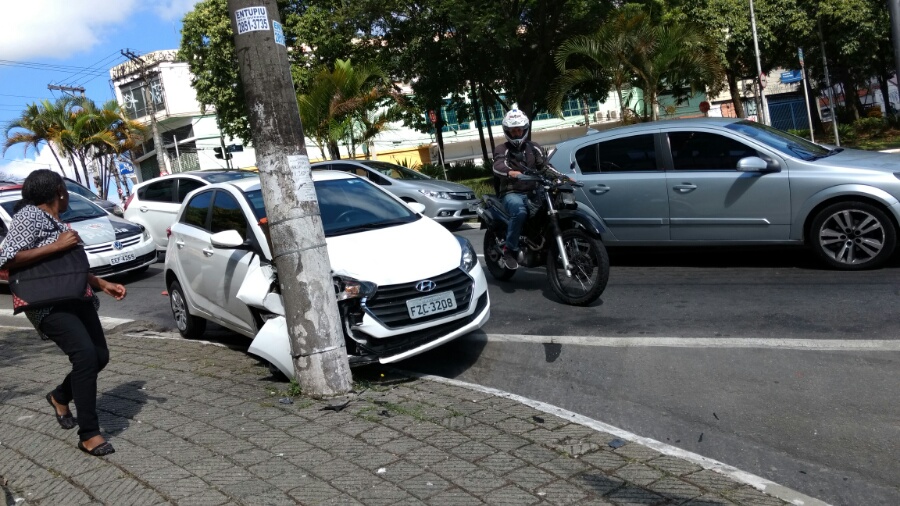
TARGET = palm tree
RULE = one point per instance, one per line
(33, 128)
(339, 104)
(632, 50)
(118, 135)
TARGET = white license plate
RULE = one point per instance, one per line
(127, 257)
(431, 304)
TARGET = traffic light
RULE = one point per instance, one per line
(221, 154)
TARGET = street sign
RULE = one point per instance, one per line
(791, 76)
(126, 169)
(762, 80)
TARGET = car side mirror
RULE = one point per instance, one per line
(416, 207)
(228, 239)
(756, 164)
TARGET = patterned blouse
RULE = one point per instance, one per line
(31, 228)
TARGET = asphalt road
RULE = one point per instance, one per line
(823, 420)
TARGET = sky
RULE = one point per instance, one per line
(73, 43)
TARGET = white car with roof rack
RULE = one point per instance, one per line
(404, 283)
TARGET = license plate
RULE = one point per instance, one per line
(127, 257)
(431, 304)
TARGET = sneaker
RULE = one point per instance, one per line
(509, 259)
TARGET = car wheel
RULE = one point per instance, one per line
(853, 236)
(189, 326)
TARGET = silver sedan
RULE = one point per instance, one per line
(717, 181)
(446, 202)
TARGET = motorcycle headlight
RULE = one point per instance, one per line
(467, 258)
(567, 198)
(435, 194)
(349, 288)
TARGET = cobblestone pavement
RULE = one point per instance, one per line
(201, 424)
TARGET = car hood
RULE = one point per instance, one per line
(104, 229)
(400, 254)
(860, 159)
(437, 185)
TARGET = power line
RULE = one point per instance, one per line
(49, 67)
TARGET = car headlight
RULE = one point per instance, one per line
(435, 194)
(349, 288)
(145, 235)
(467, 258)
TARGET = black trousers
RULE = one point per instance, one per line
(75, 328)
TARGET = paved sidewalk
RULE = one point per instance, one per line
(200, 424)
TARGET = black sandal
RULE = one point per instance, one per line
(66, 421)
(100, 450)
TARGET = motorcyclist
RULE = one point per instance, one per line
(511, 158)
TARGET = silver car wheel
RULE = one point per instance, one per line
(852, 236)
(179, 312)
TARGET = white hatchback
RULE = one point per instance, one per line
(404, 283)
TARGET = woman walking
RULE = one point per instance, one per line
(36, 234)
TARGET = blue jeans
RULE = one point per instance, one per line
(518, 212)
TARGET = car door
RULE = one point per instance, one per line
(625, 184)
(158, 209)
(191, 236)
(711, 200)
(226, 268)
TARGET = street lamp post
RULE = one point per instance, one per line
(764, 112)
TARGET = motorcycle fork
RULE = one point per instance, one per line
(557, 233)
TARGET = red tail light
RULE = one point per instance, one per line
(127, 201)
(168, 232)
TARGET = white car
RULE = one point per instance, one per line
(113, 245)
(404, 283)
(154, 204)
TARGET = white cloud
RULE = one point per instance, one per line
(21, 167)
(171, 10)
(58, 28)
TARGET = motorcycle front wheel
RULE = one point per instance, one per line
(492, 258)
(590, 269)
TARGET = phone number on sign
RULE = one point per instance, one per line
(252, 25)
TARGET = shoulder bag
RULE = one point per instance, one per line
(58, 278)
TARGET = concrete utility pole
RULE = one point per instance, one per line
(834, 120)
(295, 225)
(151, 109)
(763, 113)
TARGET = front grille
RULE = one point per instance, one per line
(388, 346)
(461, 195)
(108, 246)
(107, 270)
(388, 305)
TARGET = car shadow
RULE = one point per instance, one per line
(448, 361)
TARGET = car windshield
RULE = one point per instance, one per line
(80, 209)
(786, 143)
(394, 171)
(80, 190)
(348, 206)
(222, 177)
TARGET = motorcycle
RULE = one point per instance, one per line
(557, 234)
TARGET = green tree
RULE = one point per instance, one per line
(340, 106)
(36, 126)
(317, 34)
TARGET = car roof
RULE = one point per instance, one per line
(653, 126)
(253, 183)
(204, 174)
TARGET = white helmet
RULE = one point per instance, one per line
(515, 119)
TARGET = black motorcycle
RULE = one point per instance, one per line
(556, 234)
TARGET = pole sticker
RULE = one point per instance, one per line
(302, 177)
(251, 19)
(279, 32)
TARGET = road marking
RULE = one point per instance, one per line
(757, 482)
(107, 322)
(701, 342)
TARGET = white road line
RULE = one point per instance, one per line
(757, 482)
(700, 342)
(106, 321)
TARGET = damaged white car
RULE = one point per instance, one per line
(404, 284)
